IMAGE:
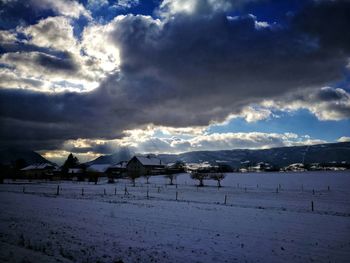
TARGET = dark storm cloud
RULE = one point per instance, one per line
(58, 64)
(328, 21)
(187, 70)
(13, 13)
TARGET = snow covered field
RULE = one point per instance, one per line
(267, 218)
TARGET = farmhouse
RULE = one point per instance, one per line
(117, 170)
(143, 165)
(39, 170)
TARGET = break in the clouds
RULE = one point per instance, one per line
(65, 76)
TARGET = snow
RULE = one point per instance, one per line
(37, 166)
(255, 225)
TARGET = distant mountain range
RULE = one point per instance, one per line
(282, 156)
(10, 155)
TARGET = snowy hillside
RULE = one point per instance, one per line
(267, 217)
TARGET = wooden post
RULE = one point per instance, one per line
(313, 191)
(176, 185)
(277, 190)
(115, 190)
(82, 191)
(58, 190)
(328, 188)
(147, 194)
(158, 189)
(237, 185)
(245, 189)
(225, 199)
(312, 206)
(24, 189)
(104, 191)
(257, 186)
(126, 191)
(176, 195)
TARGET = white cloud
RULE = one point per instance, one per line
(326, 103)
(63, 7)
(96, 4)
(96, 43)
(52, 32)
(206, 7)
(125, 4)
(344, 139)
(7, 37)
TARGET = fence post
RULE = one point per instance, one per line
(277, 190)
(58, 190)
(115, 190)
(158, 189)
(313, 191)
(257, 186)
(126, 191)
(225, 199)
(176, 195)
(104, 191)
(147, 194)
(24, 189)
(82, 191)
(328, 188)
(245, 189)
(312, 206)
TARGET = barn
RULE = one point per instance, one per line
(143, 165)
(39, 170)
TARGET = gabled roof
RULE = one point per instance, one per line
(38, 166)
(149, 160)
(100, 168)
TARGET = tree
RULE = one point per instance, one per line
(133, 176)
(200, 177)
(71, 162)
(147, 176)
(217, 177)
(171, 177)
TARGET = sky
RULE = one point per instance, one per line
(93, 76)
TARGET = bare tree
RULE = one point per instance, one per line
(133, 176)
(147, 176)
(200, 177)
(171, 177)
(217, 177)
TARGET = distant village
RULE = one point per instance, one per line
(146, 166)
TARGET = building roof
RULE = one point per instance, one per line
(38, 166)
(100, 168)
(120, 165)
(149, 160)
